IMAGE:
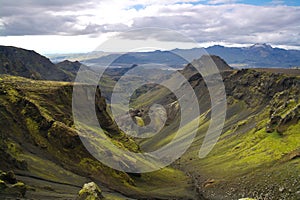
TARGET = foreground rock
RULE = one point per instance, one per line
(247, 199)
(9, 186)
(90, 191)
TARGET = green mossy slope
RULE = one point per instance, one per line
(258, 153)
(39, 142)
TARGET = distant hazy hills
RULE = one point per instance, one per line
(154, 58)
(255, 56)
(258, 55)
(20, 62)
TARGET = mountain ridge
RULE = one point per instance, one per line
(28, 63)
(260, 55)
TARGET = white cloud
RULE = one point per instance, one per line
(222, 1)
(224, 22)
(277, 2)
(55, 43)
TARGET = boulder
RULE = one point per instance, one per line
(10, 186)
(90, 191)
(2, 185)
(247, 199)
(8, 177)
(17, 189)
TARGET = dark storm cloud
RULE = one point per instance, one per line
(229, 23)
(37, 17)
(26, 5)
(38, 24)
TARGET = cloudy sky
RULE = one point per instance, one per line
(56, 26)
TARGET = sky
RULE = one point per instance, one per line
(71, 26)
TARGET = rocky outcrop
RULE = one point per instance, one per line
(90, 191)
(284, 112)
(10, 186)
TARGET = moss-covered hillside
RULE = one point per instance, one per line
(258, 153)
(40, 144)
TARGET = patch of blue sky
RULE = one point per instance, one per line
(250, 2)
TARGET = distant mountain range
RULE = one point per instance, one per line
(255, 56)
(258, 55)
(21, 62)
